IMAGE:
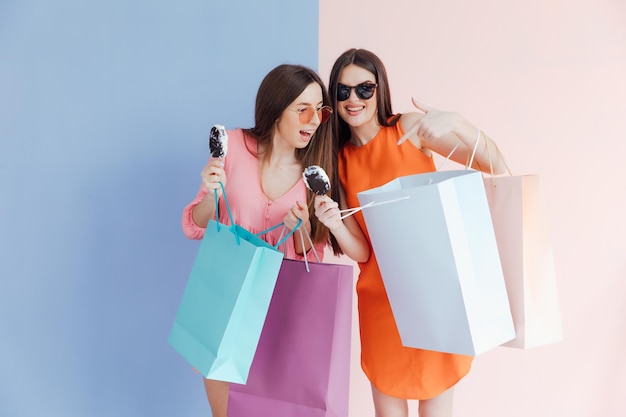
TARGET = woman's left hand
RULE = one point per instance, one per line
(296, 212)
(433, 124)
(442, 132)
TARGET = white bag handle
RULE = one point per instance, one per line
(471, 161)
(493, 181)
(306, 261)
(351, 211)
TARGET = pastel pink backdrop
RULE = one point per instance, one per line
(545, 79)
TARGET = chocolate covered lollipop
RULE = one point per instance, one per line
(316, 179)
(218, 141)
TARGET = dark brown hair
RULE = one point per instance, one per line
(280, 87)
(370, 62)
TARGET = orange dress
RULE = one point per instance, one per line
(393, 369)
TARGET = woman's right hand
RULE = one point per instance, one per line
(212, 174)
(346, 231)
(327, 211)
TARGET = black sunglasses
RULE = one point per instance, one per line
(364, 91)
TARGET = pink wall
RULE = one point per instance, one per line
(545, 79)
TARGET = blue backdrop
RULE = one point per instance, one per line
(105, 109)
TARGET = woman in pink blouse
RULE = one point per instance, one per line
(262, 174)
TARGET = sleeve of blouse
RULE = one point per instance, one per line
(190, 228)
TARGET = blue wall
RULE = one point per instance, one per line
(105, 109)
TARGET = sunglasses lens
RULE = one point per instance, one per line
(306, 115)
(324, 114)
(365, 91)
(343, 92)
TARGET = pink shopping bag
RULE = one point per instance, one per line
(521, 228)
(302, 363)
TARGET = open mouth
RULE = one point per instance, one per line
(306, 134)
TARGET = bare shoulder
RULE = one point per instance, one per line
(407, 121)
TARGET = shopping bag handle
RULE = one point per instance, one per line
(306, 261)
(350, 211)
(232, 220)
(230, 214)
(471, 160)
(282, 238)
(493, 181)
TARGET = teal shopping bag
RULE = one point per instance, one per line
(224, 305)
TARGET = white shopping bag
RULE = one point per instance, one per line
(439, 261)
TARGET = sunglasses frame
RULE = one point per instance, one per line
(323, 113)
(358, 89)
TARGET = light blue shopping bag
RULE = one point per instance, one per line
(224, 305)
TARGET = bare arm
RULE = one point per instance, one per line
(347, 231)
(212, 174)
(441, 131)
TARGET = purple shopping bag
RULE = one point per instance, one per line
(302, 363)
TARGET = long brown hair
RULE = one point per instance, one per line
(280, 87)
(370, 62)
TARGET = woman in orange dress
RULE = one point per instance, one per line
(373, 150)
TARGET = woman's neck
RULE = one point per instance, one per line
(280, 156)
(361, 135)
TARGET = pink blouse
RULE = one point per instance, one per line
(250, 207)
